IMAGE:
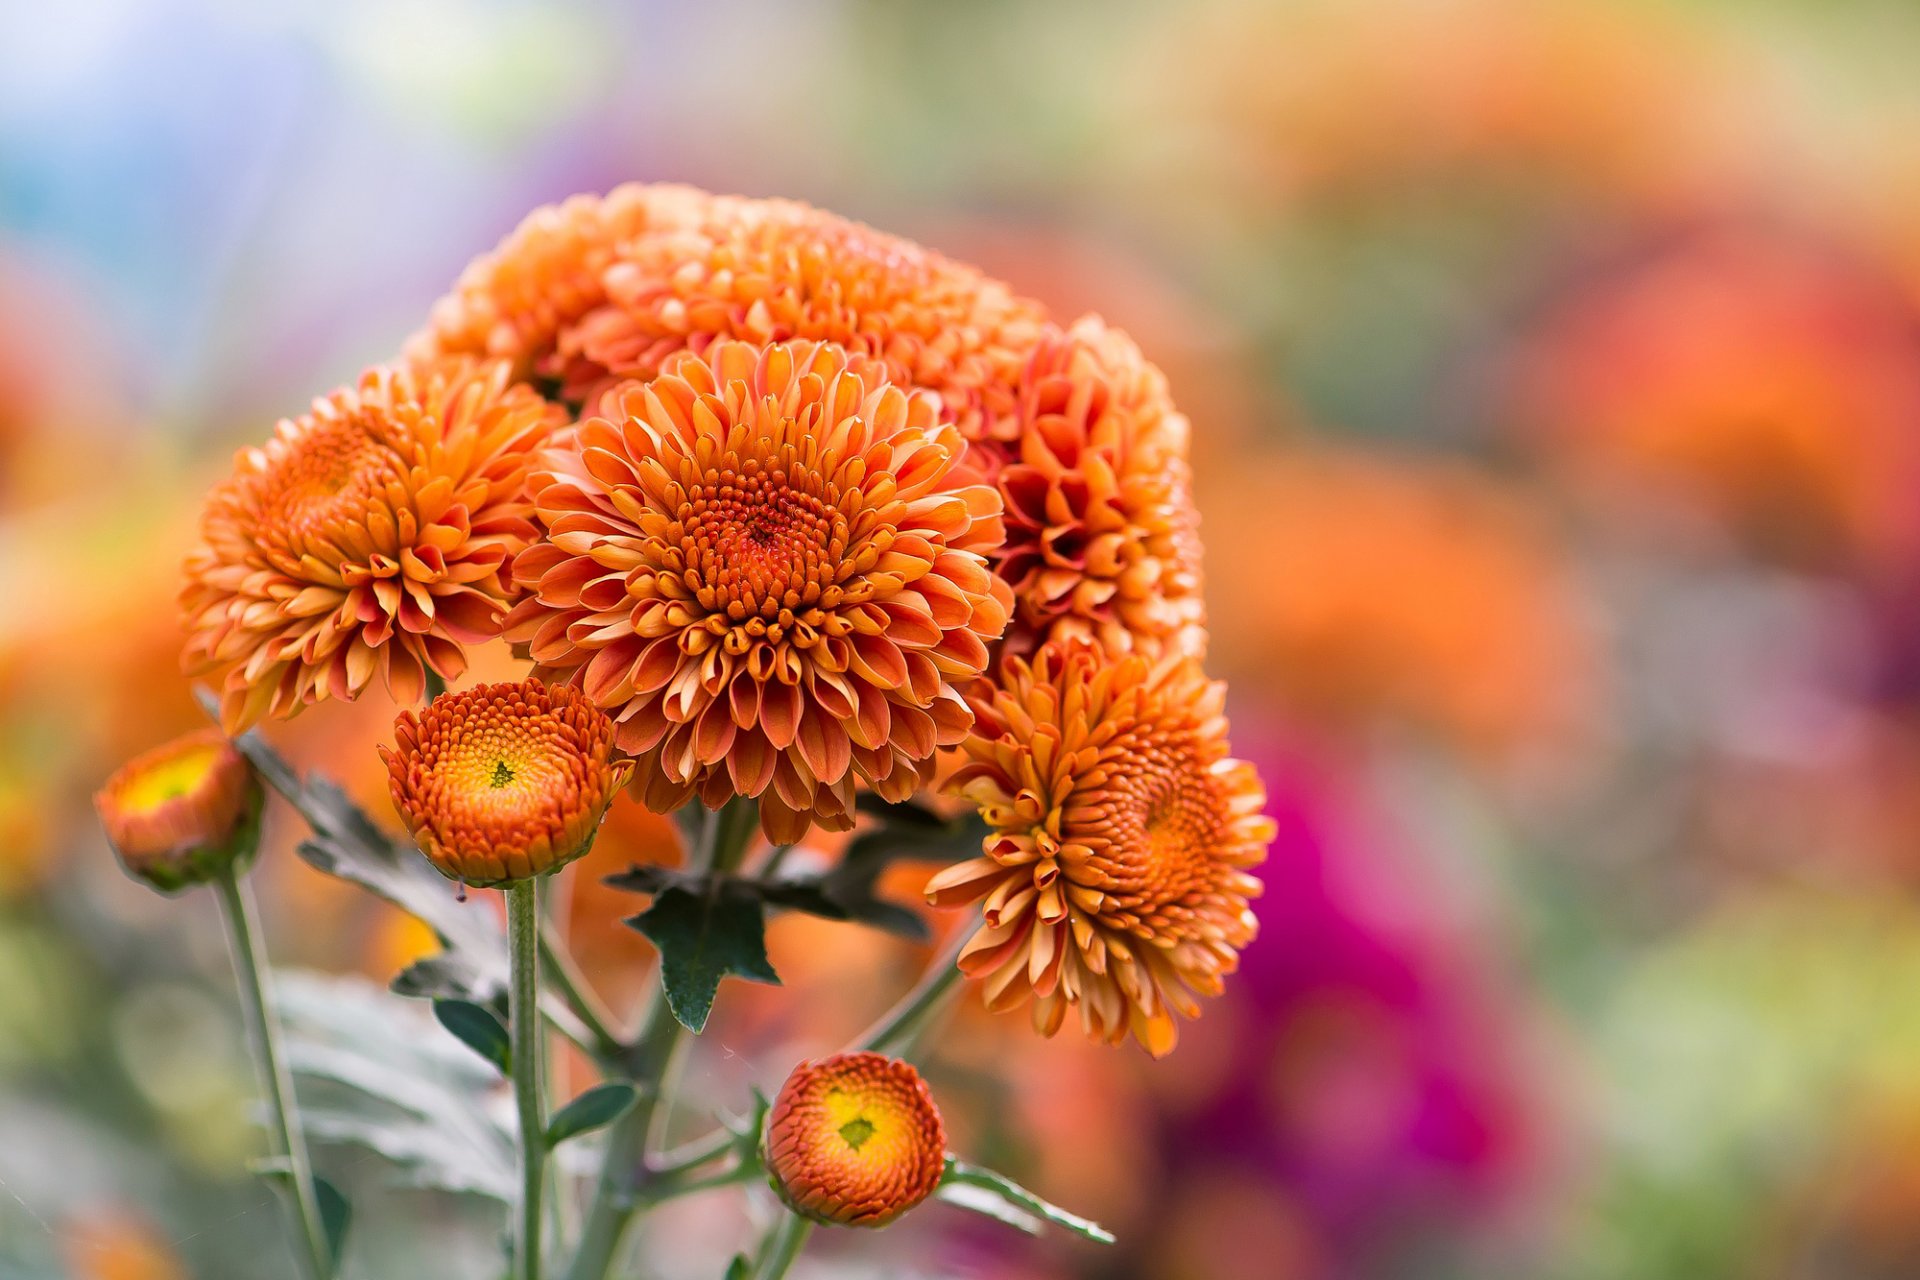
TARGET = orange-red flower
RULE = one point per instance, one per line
(1115, 876)
(1102, 536)
(503, 781)
(764, 565)
(855, 1140)
(598, 290)
(182, 813)
(370, 535)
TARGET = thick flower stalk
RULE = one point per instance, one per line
(597, 290)
(1102, 537)
(766, 566)
(503, 782)
(854, 1140)
(1114, 881)
(370, 537)
(183, 813)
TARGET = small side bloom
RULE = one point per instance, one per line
(182, 813)
(370, 536)
(503, 782)
(855, 1140)
(1115, 879)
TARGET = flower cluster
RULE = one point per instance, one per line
(781, 508)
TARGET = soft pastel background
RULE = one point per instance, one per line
(1555, 380)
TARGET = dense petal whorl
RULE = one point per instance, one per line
(763, 564)
(855, 1140)
(1115, 876)
(1102, 536)
(370, 535)
(503, 782)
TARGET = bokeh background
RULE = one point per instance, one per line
(1555, 381)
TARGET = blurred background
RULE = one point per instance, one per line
(1555, 381)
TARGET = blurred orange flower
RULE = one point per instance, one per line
(1773, 384)
(767, 566)
(371, 535)
(855, 1140)
(1115, 878)
(503, 781)
(1427, 593)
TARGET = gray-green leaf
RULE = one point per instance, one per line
(594, 1109)
(961, 1176)
(477, 1027)
(702, 938)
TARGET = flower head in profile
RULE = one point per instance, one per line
(599, 290)
(182, 813)
(1102, 537)
(370, 537)
(763, 564)
(855, 1140)
(503, 782)
(1115, 878)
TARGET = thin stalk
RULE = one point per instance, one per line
(523, 1019)
(782, 1246)
(649, 1061)
(242, 918)
(565, 977)
(901, 1027)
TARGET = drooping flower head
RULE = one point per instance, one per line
(503, 782)
(370, 536)
(598, 290)
(855, 1139)
(764, 567)
(1114, 880)
(182, 813)
(1102, 537)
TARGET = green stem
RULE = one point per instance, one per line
(250, 964)
(436, 685)
(622, 1187)
(901, 1027)
(523, 1018)
(783, 1245)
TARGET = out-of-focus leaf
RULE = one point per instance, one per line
(740, 1268)
(375, 1072)
(977, 1199)
(594, 1109)
(702, 938)
(479, 1028)
(1012, 1195)
(336, 1216)
(346, 843)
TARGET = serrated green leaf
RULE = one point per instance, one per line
(479, 1028)
(349, 845)
(961, 1174)
(597, 1107)
(703, 938)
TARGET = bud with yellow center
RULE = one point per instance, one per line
(855, 1139)
(183, 813)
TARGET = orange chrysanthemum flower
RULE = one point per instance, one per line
(595, 291)
(369, 535)
(1102, 536)
(182, 813)
(765, 566)
(505, 781)
(855, 1140)
(1115, 878)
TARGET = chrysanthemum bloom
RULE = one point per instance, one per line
(369, 536)
(503, 781)
(855, 1140)
(1115, 877)
(765, 567)
(595, 291)
(1102, 536)
(182, 813)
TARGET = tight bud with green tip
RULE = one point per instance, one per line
(183, 813)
